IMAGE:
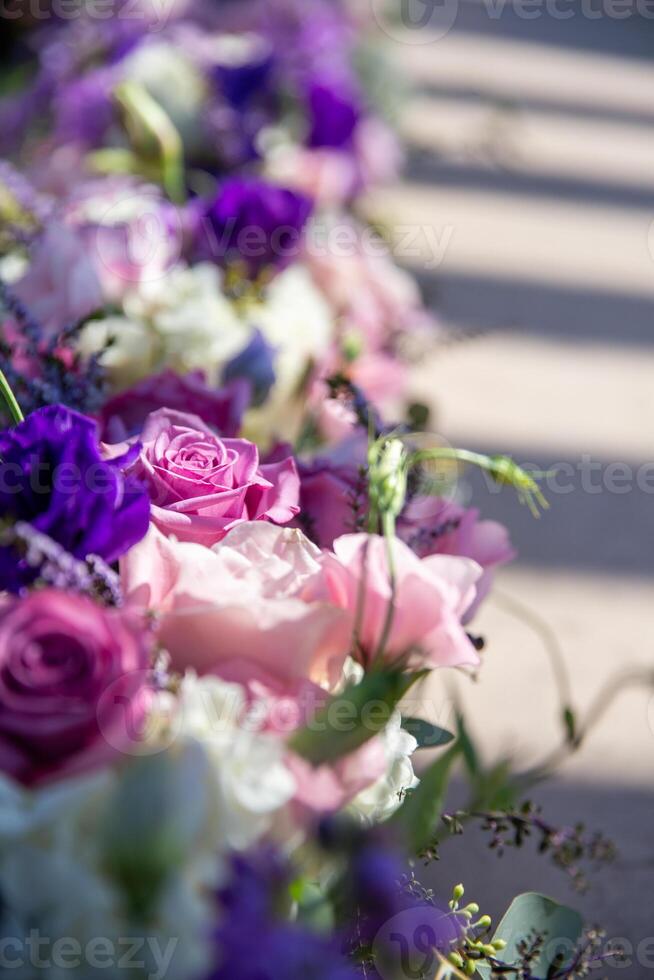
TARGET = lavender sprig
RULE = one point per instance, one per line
(59, 569)
(79, 385)
(34, 209)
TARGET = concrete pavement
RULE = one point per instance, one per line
(534, 144)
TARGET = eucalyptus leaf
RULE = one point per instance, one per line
(532, 913)
(349, 720)
(427, 736)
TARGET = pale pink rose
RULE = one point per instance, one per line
(432, 594)
(201, 486)
(60, 287)
(328, 176)
(73, 684)
(433, 525)
(328, 788)
(335, 421)
(382, 378)
(379, 151)
(357, 273)
(256, 597)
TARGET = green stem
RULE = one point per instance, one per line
(153, 133)
(503, 470)
(10, 401)
(388, 525)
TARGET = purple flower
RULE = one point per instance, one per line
(254, 365)
(254, 944)
(257, 223)
(123, 416)
(84, 109)
(53, 476)
(334, 115)
(242, 81)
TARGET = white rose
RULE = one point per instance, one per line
(193, 320)
(381, 800)
(296, 320)
(251, 782)
(129, 348)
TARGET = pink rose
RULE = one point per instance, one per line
(255, 598)
(431, 596)
(124, 415)
(201, 486)
(326, 175)
(72, 684)
(328, 788)
(374, 297)
(431, 525)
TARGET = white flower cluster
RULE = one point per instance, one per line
(186, 322)
(136, 851)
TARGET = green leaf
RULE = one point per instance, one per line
(427, 736)
(418, 816)
(561, 927)
(153, 135)
(8, 398)
(570, 724)
(314, 910)
(468, 749)
(349, 720)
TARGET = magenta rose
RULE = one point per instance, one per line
(222, 409)
(201, 486)
(73, 689)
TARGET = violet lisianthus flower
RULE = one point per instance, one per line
(254, 366)
(249, 904)
(222, 409)
(256, 223)
(73, 684)
(333, 115)
(54, 477)
(201, 486)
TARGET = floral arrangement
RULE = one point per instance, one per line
(230, 562)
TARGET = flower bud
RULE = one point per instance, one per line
(388, 476)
